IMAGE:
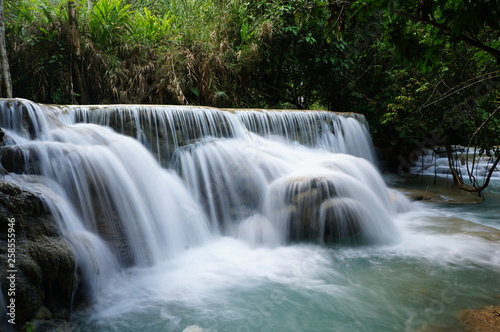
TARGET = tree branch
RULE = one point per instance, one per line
(483, 124)
(473, 42)
(457, 179)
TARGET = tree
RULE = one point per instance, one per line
(76, 54)
(464, 20)
(5, 79)
(445, 78)
(304, 59)
(476, 186)
(419, 29)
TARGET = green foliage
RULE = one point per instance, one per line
(422, 30)
(303, 57)
(30, 327)
(149, 28)
(109, 21)
(21, 14)
(421, 71)
(403, 63)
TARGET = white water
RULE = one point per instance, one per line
(163, 129)
(430, 163)
(213, 243)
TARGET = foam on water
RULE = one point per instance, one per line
(231, 285)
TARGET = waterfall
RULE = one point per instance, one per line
(164, 129)
(435, 162)
(345, 133)
(110, 197)
(138, 185)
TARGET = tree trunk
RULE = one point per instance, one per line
(457, 178)
(76, 55)
(5, 79)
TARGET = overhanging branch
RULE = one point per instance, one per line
(472, 42)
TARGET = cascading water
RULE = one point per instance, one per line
(432, 162)
(229, 219)
(110, 197)
(230, 158)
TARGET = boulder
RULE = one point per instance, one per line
(45, 277)
(314, 209)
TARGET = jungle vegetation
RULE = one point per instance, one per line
(425, 73)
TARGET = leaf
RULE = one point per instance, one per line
(195, 91)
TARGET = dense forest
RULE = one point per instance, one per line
(425, 73)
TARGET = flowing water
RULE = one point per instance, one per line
(434, 163)
(200, 219)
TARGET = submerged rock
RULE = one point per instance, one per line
(45, 277)
(485, 319)
(340, 219)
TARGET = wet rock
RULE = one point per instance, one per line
(2, 136)
(230, 187)
(485, 319)
(129, 129)
(19, 160)
(313, 210)
(110, 228)
(423, 197)
(340, 219)
(20, 115)
(13, 160)
(43, 313)
(45, 276)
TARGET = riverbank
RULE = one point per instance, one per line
(426, 188)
